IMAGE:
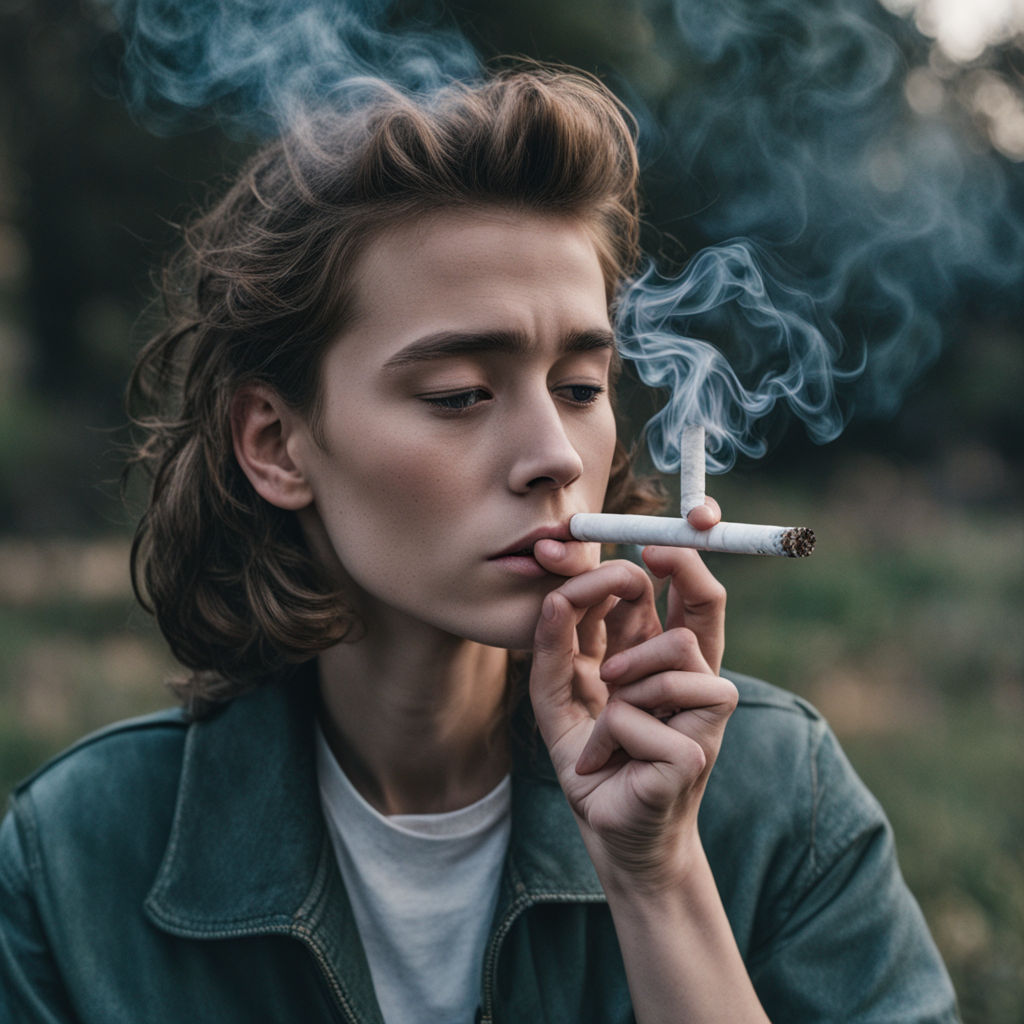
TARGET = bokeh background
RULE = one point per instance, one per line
(905, 626)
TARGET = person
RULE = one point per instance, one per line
(435, 761)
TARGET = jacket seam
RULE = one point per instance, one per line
(816, 866)
(807, 873)
(814, 738)
(11, 878)
(156, 722)
(29, 840)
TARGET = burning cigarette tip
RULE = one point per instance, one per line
(798, 542)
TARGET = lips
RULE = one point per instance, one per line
(523, 547)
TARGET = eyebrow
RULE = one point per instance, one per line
(444, 344)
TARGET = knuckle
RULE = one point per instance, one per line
(730, 695)
(683, 641)
(711, 599)
(615, 712)
(693, 758)
(630, 574)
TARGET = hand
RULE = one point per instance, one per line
(632, 714)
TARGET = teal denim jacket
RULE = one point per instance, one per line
(162, 871)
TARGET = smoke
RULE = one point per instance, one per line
(256, 66)
(854, 224)
(778, 346)
(793, 137)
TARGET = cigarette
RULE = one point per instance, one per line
(691, 468)
(735, 538)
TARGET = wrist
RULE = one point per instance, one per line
(681, 956)
(651, 870)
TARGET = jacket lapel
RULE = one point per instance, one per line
(248, 852)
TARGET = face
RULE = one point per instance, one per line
(465, 415)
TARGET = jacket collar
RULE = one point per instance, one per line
(247, 837)
(249, 852)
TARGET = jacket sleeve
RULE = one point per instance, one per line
(31, 991)
(849, 941)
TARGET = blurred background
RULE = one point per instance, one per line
(904, 627)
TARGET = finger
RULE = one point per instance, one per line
(626, 583)
(703, 517)
(643, 738)
(694, 705)
(675, 650)
(632, 617)
(593, 637)
(551, 671)
(583, 603)
(696, 599)
(708, 701)
(566, 558)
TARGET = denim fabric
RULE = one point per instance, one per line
(166, 872)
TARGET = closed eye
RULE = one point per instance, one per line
(460, 401)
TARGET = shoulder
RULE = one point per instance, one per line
(120, 779)
(775, 738)
(781, 763)
(804, 859)
(770, 739)
(770, 706)
(120, 751)
(783, 802)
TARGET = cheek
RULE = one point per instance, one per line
(599, 452)
(389, 492)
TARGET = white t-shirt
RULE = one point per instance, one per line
(423, 889)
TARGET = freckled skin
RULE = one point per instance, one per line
(431, 469)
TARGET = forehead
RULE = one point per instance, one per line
(486, 270)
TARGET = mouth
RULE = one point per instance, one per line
(523, 547)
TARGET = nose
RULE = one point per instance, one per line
(544, 455)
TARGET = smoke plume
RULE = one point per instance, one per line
(256, 66)
(855, 224)
(841, 225)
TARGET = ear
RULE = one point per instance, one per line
(262, 429)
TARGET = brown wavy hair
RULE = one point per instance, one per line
(261, 286)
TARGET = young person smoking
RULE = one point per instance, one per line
(436, 762)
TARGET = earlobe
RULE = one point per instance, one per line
(261, 427)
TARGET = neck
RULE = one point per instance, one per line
(416, 717)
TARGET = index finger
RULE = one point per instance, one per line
(629, 619)
(696, 600)
(567, 558)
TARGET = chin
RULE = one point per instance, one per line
(511, 628)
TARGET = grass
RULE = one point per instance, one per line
(902, 628)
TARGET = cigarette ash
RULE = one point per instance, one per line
(798, 542)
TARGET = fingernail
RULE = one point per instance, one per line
(548, 609)
(613, 666)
